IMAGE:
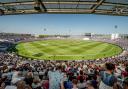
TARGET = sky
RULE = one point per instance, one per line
(64, 24)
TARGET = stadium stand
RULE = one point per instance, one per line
(22, 73)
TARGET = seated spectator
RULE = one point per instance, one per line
(81, 82)
(90, 86)
(21, 85)
(125, 73)
(45, 83)
(125, 83)
(29, 78)
(2, 84)
(68, 83)
(81, 76)
(94, 82)
(74, 81)
(36, 84)
(55, 77)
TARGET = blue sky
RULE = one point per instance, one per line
(63, 24)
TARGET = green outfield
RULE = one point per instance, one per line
(67, 49)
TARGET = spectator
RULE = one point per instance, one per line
(107, 78)
(36, 84)
(89, 85)
(125, 83)
(74, 81)
(55, 78)
(81, 81)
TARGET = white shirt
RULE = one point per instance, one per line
(10, 87)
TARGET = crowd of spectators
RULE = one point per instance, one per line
(13, 37)
(21, 73)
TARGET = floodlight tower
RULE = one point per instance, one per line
(116, 26)
(44, 30)
(116, 35)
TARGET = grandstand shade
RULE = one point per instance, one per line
(108, 7)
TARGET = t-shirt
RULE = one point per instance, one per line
(81, 85)
(10, 87)
(74, 88)
(55, 78)
(125, 74)
(68, 85)
(108, 79)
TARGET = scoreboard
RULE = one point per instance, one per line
(88, 34)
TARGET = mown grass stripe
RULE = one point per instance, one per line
(67, 49)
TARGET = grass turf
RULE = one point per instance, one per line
(67, 49)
